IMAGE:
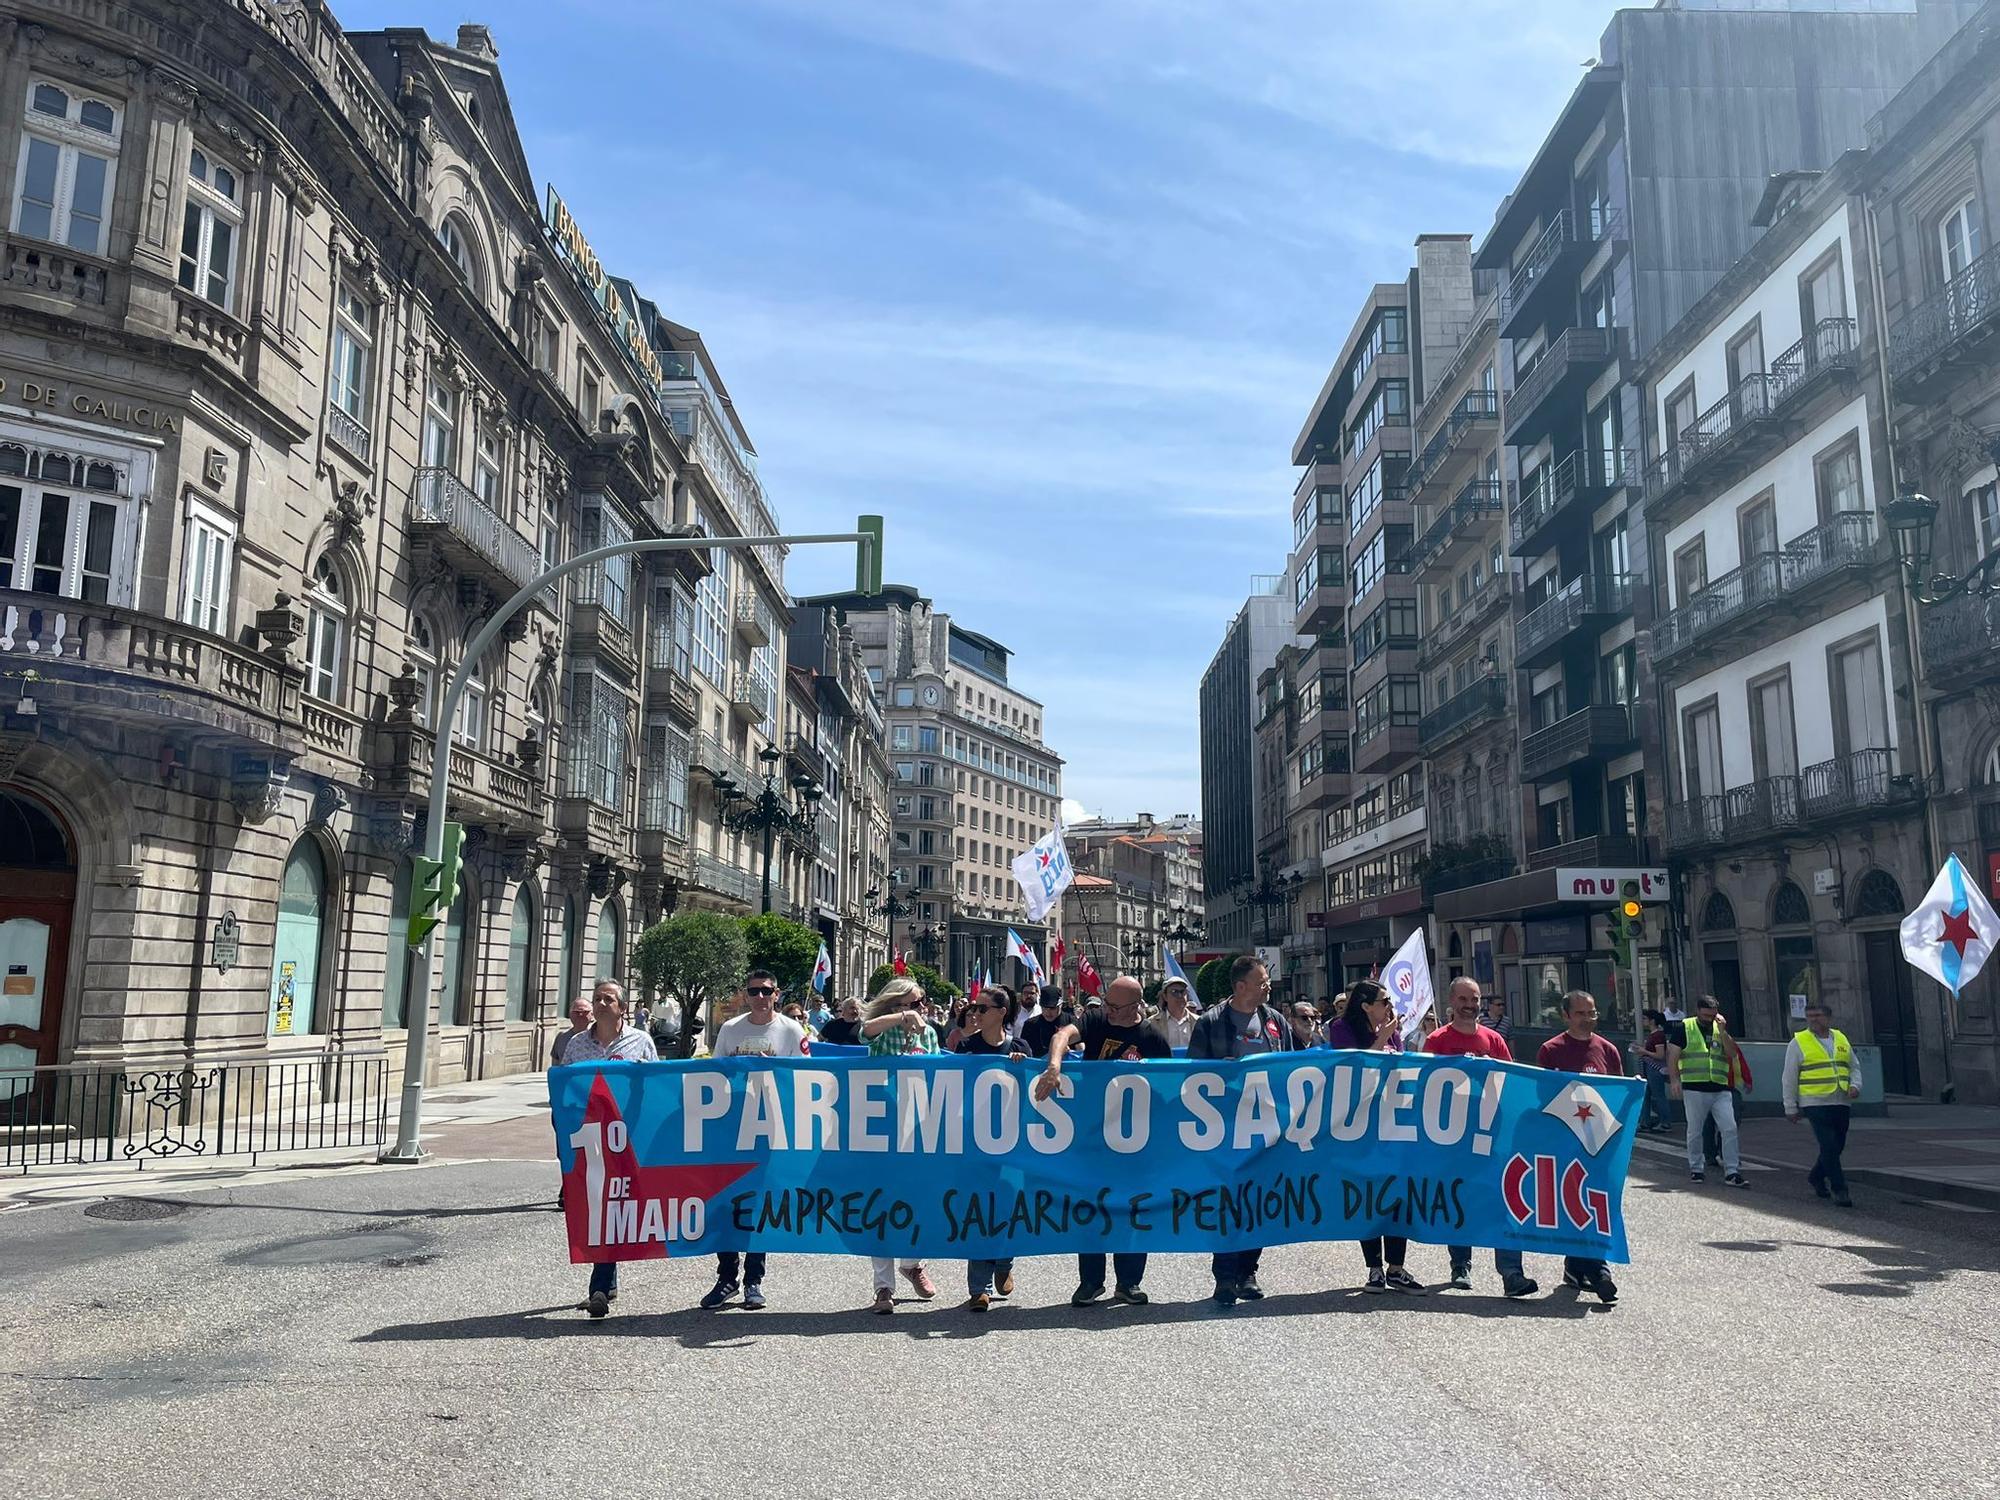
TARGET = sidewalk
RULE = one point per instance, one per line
(499, 1118)
(1948, 1152)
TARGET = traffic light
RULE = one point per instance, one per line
(868, 556)
(432, 885)
(1628, 923)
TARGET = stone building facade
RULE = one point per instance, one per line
(300, 380)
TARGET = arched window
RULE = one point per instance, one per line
(396, 958)
(1789, 908)
(608, 942)
(470, 730)
(423, 658)
(1989, 770)
(326, 632)
(454, 999)
(523, 956)
(1878, 895)
(456, 237)
(295, 949)
(1717, 915)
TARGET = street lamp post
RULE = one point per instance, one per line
(1184, 928)
(1267, 894)
(770, 811)
(1138, 952)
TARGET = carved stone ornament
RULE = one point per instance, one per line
(605, 877)
(474, 841)
(279, 626)
(1957, 451)
(391, 828)
(347, 518)
(521, 858)
(528, 753)
(404, 691)
(257, 786)
(12, 748)
(327, 801)
(174, 89)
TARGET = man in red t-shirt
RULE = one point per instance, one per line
(1464, 1036)
(1577, 1048)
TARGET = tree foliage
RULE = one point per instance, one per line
(788, 949)
(698, 957)
(934, 984)
(1211, 981)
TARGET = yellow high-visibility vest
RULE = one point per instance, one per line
(1702, 1060)
(1823, 1072)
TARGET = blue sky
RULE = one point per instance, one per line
(1049, 283)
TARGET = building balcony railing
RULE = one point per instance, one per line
(35, 268)
(723, 879)
(750, 698)
(1847, 541)
(1484, 701)
(1469, 615)
(1462, 520)
(753, 620)
(1581, 476)
(1941, 331)
(1599, 851)
(1536, 283)
(441, 503)
(1584, 600)
(1741, 428)
(348, 432)
(1464, 877)
(1564, 369)
(1595, 733)
(1861, 782)
(1962, 635)
(1474, 410)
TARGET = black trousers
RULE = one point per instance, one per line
(753, 1265)
(1372, 1250)
(1234, 1265)
(1829, 1124)
(1130, 1266)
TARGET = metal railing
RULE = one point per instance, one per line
(1473, 407)
(1859, 781)
(1961, 632)
(81, 1114)
(1589, 731)
(440, 498)
(1577, 347)
(1557, 485)
(1478, 500)
(1577, 600)
(1962, 306)
(712, 874)
(1830, 345)
(1847, 541)
(1463, 877)
(1599, 850)
(1485, 699)
(1566, 229)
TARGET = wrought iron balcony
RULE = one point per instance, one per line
(753, 620)
(1595, 733)
(1962, 635)
(1861, 782)
(1599, 850)
(1563, 370)
(712, 874)
(1583, 600)
(1484, 701)
(1845, 542)
(1830, 348)
(467, 526)
(750, 698)
(1941, 331)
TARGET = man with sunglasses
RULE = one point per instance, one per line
(1117, 1032)
(759, 1031)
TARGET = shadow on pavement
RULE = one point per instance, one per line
(1893, 1270)
(695, 1329)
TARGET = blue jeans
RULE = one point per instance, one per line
(980, 1275)
(604, 1277)
(1131, 1269)
(1234, 1265)
(1506, 1262)
(1655, 1111)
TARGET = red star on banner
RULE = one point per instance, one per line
(1585, 1111)
(694, 1180)
(1958, 931)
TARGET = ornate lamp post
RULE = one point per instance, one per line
(1137, 953)
(772, 809)
(1268, 894)
(1184, 928)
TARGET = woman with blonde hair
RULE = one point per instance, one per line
(894, 1025)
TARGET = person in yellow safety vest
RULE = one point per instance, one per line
(1700, 1051)
(1822, 1078)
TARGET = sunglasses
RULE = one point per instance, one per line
(986, 1005)
(762, 989)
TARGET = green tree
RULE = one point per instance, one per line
(935, 984)
(788, 949)
(1153, 992)
(1211, 981)
(697, 957)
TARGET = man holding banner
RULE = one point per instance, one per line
(1246, 1027)
(608, 1038)
(1577, 1048)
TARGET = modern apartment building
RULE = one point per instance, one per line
(1232, 786)
(972, 783)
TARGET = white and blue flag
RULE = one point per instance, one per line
(1175, 971)
(1044, 873)
(1953, 931)
(1407, 977)
(822, 969)
(1017, 946)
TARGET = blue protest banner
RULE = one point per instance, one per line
(954, 1157)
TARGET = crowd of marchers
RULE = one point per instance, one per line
(1695, 1058)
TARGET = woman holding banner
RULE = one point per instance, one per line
(895, 1026)
(986, 1029)
(1368, 1023)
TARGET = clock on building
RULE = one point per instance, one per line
(931, 695)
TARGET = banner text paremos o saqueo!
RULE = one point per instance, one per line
(954, 1157)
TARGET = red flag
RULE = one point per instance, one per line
(972, 993)
(1086, 977)
(1056, 958)
(899, 966)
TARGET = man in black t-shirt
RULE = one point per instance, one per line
(1040, 1030)
(1115, 1032)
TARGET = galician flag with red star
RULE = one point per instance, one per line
(1953, 931)
(1583, 1109)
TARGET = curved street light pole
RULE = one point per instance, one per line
(416, 1051)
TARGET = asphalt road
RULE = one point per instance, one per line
(412, 1333)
